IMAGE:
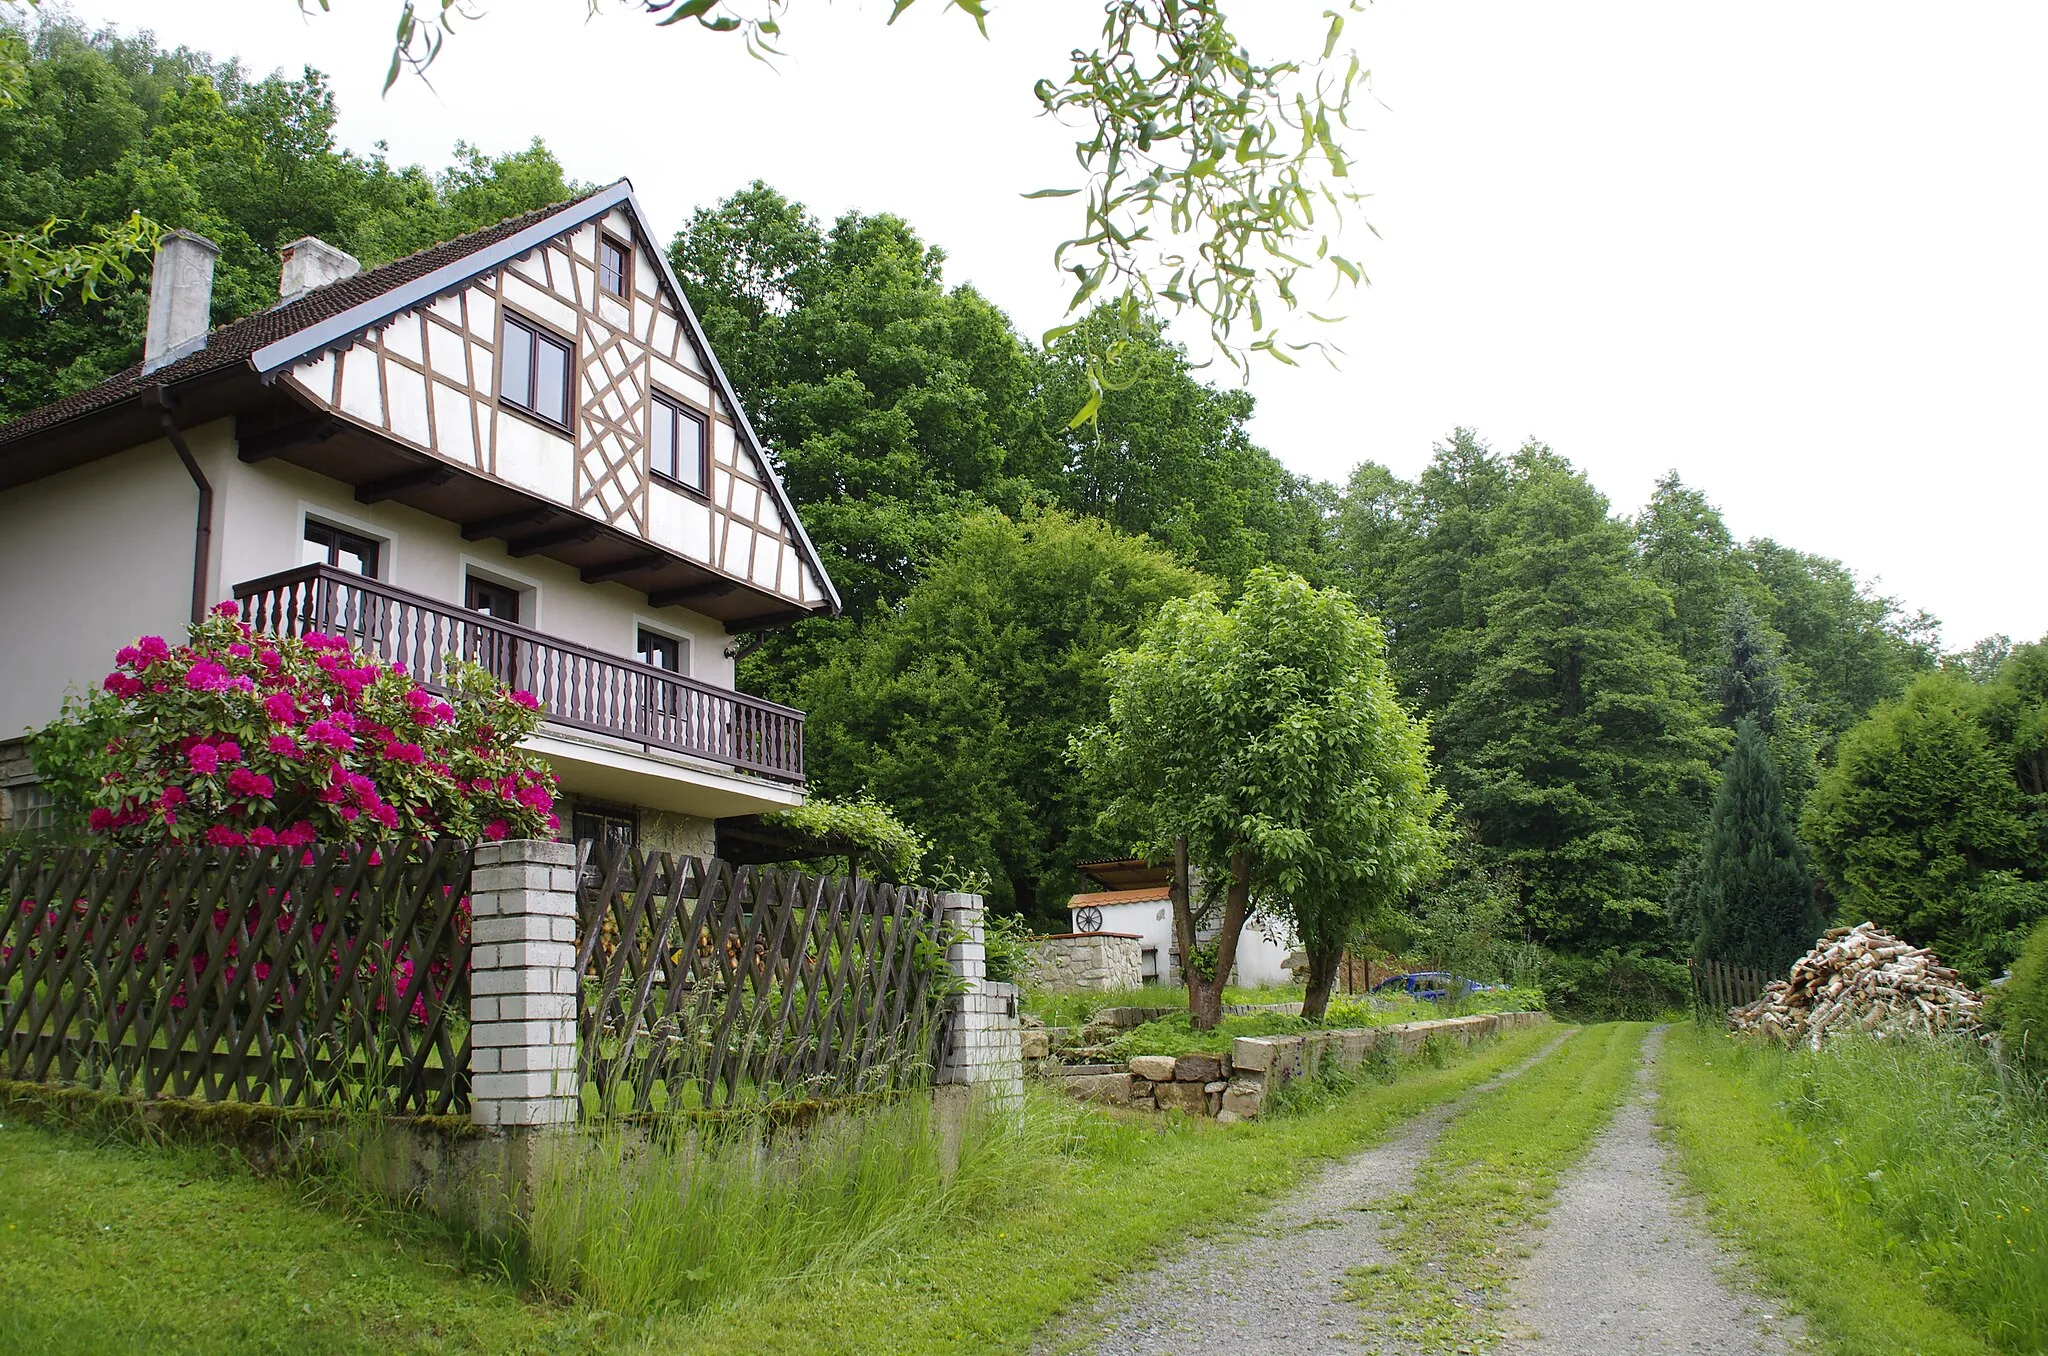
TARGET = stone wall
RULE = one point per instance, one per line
(984, 1035)
(1236, 1086)
(1084, 962)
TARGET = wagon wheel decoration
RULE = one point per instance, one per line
(1088, 919)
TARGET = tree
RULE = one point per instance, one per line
(1265, 745)
(1571, 731)
(1212, 181)
(1687, 548)
(955, 707)
(1747, 682)
(1922, 826)
(1752, 894)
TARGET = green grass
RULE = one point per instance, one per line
(1487, 1180)
(1111, 1193)
(1042, 1215)
(1895, 1194)
(106, 1248)
(1074, 1009)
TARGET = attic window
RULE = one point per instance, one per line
(534, 371)
(614, 265)
(676, 445)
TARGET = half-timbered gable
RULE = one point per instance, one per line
(571, 370)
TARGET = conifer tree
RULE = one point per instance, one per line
(1752, 894)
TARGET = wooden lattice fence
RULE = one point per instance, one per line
(1718, 986)
(260, 975)
(707, 986)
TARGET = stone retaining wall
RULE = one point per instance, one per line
(1084, 962)
(1235, 1086)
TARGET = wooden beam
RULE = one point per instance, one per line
(695, 593)
(255, 447)
(419, 478)
(597, 574)
(770, 621)
(560, 535)
(499, 523)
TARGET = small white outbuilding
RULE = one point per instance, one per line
(1134, 898)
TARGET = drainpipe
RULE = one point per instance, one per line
(158, 399)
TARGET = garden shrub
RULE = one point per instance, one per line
(2020, 1005)
(239, 738)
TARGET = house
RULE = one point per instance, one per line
(1134, 898)
(516, 447)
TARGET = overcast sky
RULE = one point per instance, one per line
(1796, 251)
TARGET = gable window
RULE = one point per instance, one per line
(614, 266)
(344, 550)
(533, 371)
(676, 446)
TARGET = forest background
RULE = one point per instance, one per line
(1583, 670)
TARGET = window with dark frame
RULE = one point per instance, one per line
(491, 599)
(614, 265)
(663, 652)
(533, 371)
(340, 548)
(677, 447)
(613, 826)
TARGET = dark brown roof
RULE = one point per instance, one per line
(234, 342)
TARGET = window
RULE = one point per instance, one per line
(493, 600)
(676, 447)
(614, 264)
(663, 652)
(534, 371)
(611, 827)
(344, 550)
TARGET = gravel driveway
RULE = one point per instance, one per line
(1621, 1269)
(1271, 1289)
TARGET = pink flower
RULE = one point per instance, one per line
(101, 819)
(270, 659)
(151, 648)
(280, 707)
(239, 650)
(229, 750)
(496, 830)
(128, 657)
(220, 835)
(123, 686)
(410, 754)
(264, 836)
(203, 758)
(298, 835)
(526, 699)
(385, 815)
(206, 676)
(173, 795)
(227, 609)
(284, 746)
(243, 782)
(332, 735)
(532, 797)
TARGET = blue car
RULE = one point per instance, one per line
(1435, 986)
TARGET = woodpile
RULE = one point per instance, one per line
(1862, 979)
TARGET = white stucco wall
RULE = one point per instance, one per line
(1260, 962)
(94, 557)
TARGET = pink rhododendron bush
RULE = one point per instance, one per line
(241, 738)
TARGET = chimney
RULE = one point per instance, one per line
(180, 298)
(310, 262)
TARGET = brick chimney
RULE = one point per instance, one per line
(310, 262)
(180, 298)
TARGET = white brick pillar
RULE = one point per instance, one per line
(984, 1046)
(522, 984)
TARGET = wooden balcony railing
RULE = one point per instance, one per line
(578, 687)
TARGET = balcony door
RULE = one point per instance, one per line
(489, 646)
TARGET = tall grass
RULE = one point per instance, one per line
(1946, 1150)
(636, 1222)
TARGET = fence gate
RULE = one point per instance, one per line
(1717, 986)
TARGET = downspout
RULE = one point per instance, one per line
(158, 399)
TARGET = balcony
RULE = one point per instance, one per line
(579, 688)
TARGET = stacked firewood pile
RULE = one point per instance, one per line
(1861, 979)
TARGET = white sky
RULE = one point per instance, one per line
(1796, 251)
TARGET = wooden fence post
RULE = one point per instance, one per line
(522, 1005)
